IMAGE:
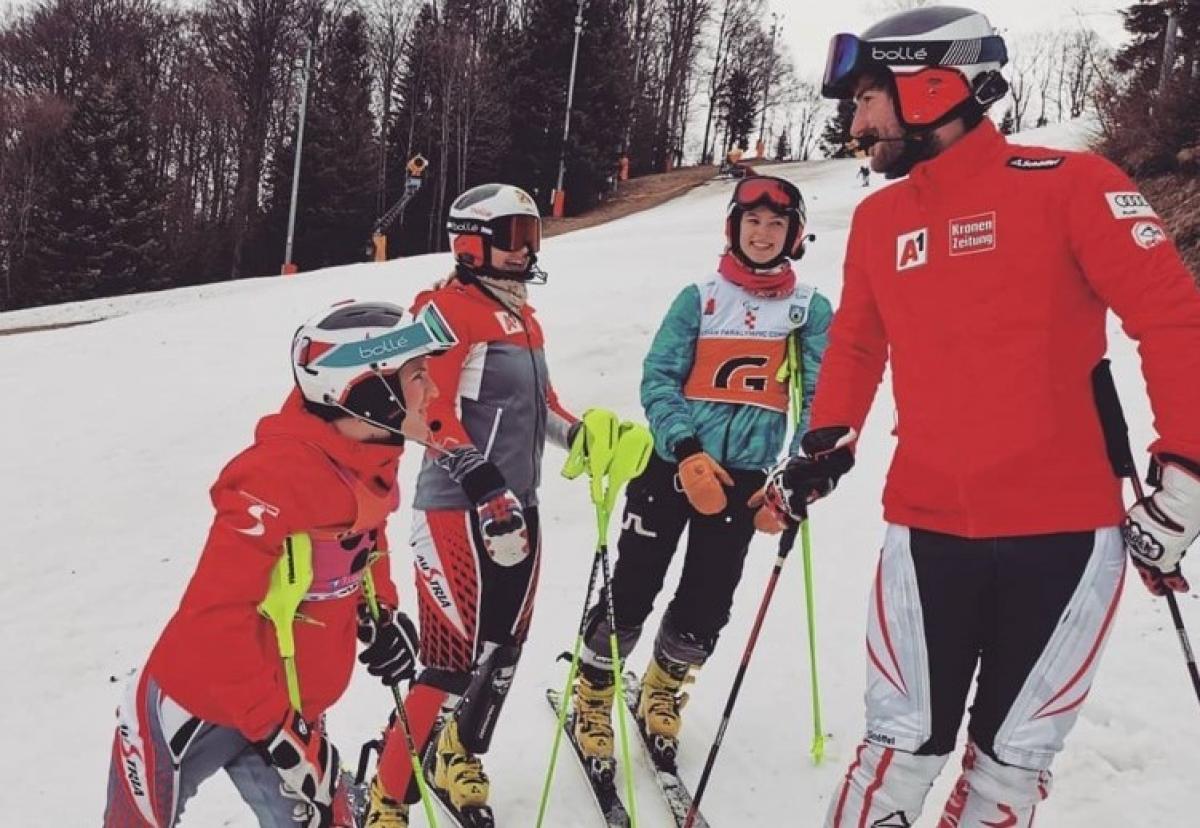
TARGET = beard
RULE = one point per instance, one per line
(885, 152)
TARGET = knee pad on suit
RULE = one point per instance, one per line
(989, 792)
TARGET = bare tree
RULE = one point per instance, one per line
(808, 110)
(1080, 52)
(1046, 67)
(884, 7)
(1024, 66)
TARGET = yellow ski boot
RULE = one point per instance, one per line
(383, 811)
(659, 705)
(593, 730)
(457, 773)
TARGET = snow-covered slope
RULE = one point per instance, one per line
(114, 431)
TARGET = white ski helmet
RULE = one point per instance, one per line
(943, 62)
(346, 359)
(494, 216)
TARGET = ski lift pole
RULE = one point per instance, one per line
(414, 176)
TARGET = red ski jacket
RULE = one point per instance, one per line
(494, 394)
(984, 279)
(218, 656)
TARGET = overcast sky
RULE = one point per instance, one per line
(807, 24)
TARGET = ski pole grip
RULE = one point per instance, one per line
(787, 541)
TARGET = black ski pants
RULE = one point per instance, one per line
(656, 513)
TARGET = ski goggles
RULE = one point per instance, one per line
(427, 334)
(519, 232)
(773, 193)
(849, 56)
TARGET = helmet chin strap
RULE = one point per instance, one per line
(395, 435)
(532, 274)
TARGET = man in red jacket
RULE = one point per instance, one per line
(215, 693)
(984, 279)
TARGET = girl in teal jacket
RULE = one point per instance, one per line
(716, 387)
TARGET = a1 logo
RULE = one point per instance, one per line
(912, 249)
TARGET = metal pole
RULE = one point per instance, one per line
(288, 266)
(762, 128)
(1168, 55)
(562, 155)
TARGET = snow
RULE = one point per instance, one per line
(116, 430)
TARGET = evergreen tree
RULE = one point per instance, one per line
(335, 203)
(783, 147)
(539, 75)
(835, 139)
(100, 231)
(1145, 127)
(739, 106)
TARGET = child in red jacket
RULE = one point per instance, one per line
(320, 478)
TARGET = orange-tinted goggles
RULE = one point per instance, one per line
(515, 233)
(764, 191)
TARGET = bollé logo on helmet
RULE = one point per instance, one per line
(899, 53)
(383, 347)
(462, 226)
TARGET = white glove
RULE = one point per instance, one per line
(1159, 529)
(308, 765)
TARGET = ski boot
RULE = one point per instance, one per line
(593, 703)
(383, 811)
(659, 706)
(459, 780)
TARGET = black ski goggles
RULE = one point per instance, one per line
(849, 57)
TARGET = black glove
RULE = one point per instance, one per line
(392, 644)
(307, 763)
(798, 481)
(501, 517)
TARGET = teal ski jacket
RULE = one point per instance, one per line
(715, 352)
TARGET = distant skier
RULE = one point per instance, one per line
(864, 174)
(476, 535)
(320, 476)
(715, 387)
(984, 279)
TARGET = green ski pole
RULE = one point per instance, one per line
(817, 749)
(595, 457)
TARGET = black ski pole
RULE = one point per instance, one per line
(786, 541)
(1120, 455)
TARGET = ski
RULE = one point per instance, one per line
(472, 818)
(604, 790)
(666, 774)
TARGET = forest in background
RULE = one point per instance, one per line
(147, 144)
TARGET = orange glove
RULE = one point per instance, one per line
(767, 519)
(701, 478)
